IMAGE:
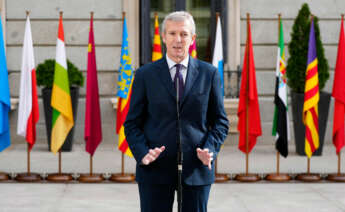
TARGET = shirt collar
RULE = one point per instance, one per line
(171, 63)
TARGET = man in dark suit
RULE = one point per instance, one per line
(151, 124)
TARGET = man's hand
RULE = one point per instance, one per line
(152, 155)
(205, 157)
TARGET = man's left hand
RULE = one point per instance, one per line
(205, 156)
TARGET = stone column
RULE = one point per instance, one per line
(3, 19)
(233, 60)
(234, 19)
(234, 43)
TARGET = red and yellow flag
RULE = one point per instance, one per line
(124, 90)
(192, 49)
(311, 98)
(157, 47)
(122, 111)
(93, 123)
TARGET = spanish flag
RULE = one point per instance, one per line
(157, 47)
(61, 98)
(311, 98)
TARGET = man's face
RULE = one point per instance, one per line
(177, 38)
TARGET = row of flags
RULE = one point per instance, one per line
(280, 126)
(62, 117)
(28, 113)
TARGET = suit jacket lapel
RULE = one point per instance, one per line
(192, 74)
(164, 75)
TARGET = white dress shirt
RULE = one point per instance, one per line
(172, 68)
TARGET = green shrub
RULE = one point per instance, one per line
(298, 49)
(45, 74)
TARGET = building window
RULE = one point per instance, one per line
(204, 13)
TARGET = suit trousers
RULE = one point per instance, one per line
(160, 198)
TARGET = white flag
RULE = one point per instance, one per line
(217, 60)
(28, 113)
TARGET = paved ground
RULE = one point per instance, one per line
(232, 196)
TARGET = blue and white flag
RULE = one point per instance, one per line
(217, 60)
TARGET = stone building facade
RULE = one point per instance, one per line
(108, 29)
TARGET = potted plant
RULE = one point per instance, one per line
(295, 72)
(45, 78)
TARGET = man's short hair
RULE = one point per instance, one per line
(180, 16)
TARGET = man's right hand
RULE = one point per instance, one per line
(152, 155)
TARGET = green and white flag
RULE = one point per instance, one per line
(280, 127)
(61, 97)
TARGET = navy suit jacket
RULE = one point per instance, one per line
(152, 121)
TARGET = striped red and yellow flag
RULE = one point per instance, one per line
(122, 111)
(192, 50)
(124, 90)
(311, 98)
(157, 47)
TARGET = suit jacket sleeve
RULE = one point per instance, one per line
(134, 123)
(216, 117)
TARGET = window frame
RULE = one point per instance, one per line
(145, 27)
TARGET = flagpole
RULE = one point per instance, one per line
(91, 156)
(308, 165)
(277, 163)
(122, 177)
(219, 177)
(279, 18)
(309, 177)
(247, 177)
(339, 153)
(278, 177)
(339, 162)
(60, 177)
(338, 177)
(28, 176)
(122, 163)
(247, 99)
(90, 177)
